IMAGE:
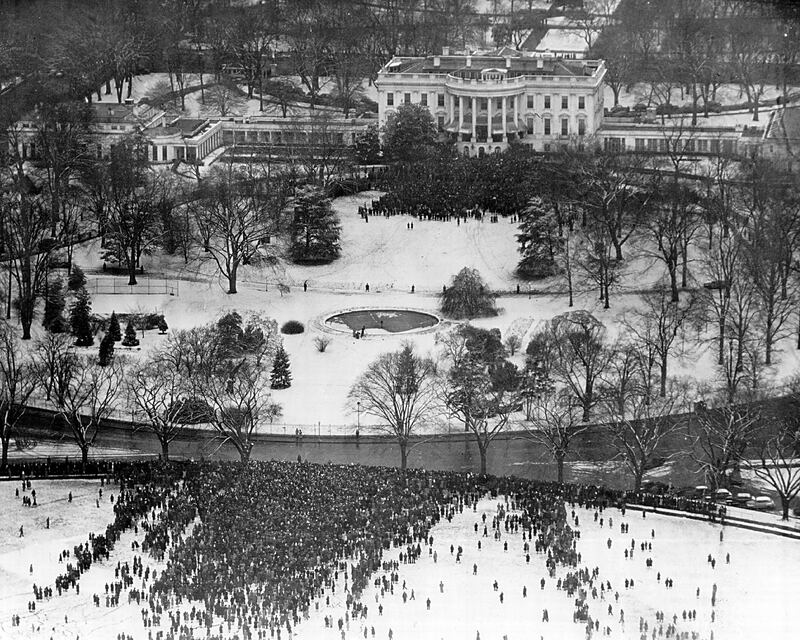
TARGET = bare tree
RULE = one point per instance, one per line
(17, 383)
(240, 400)
(25, 227)
(777, 449)
(555, 422)
(85, 397)
(133, 225)
(656, 325)
(400, 389)
(158, 389)
(724, 430)
(639, 420)
(234, 211)
(577, 355)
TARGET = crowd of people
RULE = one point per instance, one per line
(253, 550)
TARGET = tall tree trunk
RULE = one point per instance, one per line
(672, 267)
(482, 451)
(403, 454)
(232, 279)
(132, 272)
(560, 467)
(84, 446)
(165, 449)
(6, 440)
(663, 386)
(244, 453)
(637, 478)
(784, 507)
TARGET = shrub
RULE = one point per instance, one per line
(292, 327)
(162, 325)
(322, 342)
(114, 329)
(468, 296)
(281, 376)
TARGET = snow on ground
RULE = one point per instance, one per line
(756, 591)
(391, 258)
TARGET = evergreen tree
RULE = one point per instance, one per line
(367, 146)
(130, 339)
(54, 304)
(410, 133)
(281, 377)
(113, 327)
(106, 350)
(80, 319)
(315, 229)
(77, 278)
(230, 332)
(162, 325)
(539, 241)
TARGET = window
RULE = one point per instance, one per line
(498, 104)
(547, 148)
(662, 145)
(441, 122)
(715, 146)
(581, 127)
(614, 145)
(638, 144)
(688, 145)
(702, 146)
(581, 102)
(530, 101)
(484, 104)
(390, 99)
(547, 102)
(440, 99)
(546, 126)
(423, 99)
(564, 126)
(727, 146)
(164, 154)
(407, 98)
(155, 153)
(565, 102)
(652, 145)
(530, 125)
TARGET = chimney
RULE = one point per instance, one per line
(469, 60)
(437, 61)
(445, 51)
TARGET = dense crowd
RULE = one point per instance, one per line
(252, 550)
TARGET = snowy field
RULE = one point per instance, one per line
(391, 258)
(756, 589)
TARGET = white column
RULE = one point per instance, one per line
(474, 119)
(489, 120)
(505, 105)
(516, 110)
(460, 114)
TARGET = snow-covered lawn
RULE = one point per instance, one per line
(756, 591)
(389, 256)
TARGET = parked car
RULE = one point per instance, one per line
(741, 499)
(701, 491)
(761, 503)
(723, 495)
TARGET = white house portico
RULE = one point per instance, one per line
(486, 100)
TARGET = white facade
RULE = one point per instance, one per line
(485, 101)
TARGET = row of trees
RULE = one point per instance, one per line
(694, 47)
(572, 375)
(219, 373)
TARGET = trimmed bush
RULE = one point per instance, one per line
(77, 278)
(292, 327)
